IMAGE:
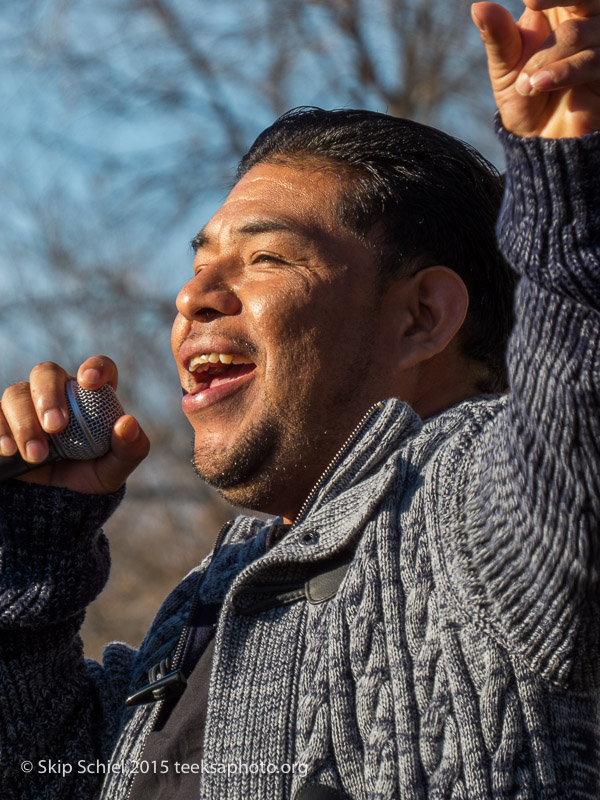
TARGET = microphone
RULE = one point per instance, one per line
(92, 414)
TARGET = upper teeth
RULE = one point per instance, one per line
(210, 358)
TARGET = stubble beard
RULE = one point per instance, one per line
(249, 474)
(282, 450)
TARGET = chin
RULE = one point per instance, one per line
(242, 473)
(252, 491)
(260, 470)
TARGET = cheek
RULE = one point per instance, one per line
(299, 331)
(287, 312)
(262, 309)
(179, 332)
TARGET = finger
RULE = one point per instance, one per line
(47, 388)
(569, 38)
(129, 446)
(96, 372)
(508, 44)
(584, 8)
(500, 35)
(8, 445)
(572, 45)
(582, 68)
(21, 417)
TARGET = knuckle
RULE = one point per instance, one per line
(583, 62)
(15, 392)
(571, 34)
(43, 368)
(592, 56)
(23, 429)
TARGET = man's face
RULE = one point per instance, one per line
(295, 298)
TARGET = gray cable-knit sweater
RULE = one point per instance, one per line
(460, 656)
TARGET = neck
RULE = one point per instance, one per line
(442, 382)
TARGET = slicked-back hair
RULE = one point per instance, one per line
(423, 197)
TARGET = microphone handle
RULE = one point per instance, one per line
(14, 466)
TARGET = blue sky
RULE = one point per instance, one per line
(60, 139)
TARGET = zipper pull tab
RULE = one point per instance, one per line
(164, 685)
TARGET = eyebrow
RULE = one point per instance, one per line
(251, 228)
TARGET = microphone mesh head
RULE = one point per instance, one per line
(92, 414)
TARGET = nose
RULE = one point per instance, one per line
(209, 295)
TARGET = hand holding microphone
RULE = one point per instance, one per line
(49, 421)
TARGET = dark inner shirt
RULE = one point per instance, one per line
(177, 737)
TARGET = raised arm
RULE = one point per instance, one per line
(526, 527)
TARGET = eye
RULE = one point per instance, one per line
(268, 258)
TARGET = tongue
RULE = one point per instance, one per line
(234, 371)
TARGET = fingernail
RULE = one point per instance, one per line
(92, 376)
(542, 80)
(131, 431)
(523, 84)
(7, 446)
(36, 450)
(54, 419)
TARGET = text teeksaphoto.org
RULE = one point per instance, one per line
(163, 767)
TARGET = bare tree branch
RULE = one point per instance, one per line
(138, 112)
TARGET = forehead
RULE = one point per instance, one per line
(299, 199)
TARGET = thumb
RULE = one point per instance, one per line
(509, 45)
(501, 37)
(129, 446)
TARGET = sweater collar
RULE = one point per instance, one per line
(353, 483)
(377, 436)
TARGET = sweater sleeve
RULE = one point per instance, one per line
(526, 547)
(54, 560)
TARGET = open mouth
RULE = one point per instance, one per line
(216, 376)
(210, 370)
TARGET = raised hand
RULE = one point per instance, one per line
(30, 410)
(545, 68)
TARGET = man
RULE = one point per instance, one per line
(421, 619)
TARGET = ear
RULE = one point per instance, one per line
(434, 304)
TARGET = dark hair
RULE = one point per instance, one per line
(428, 199)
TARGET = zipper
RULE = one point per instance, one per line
(221, 536)
(181, 643)
(219, 541)
(174, 665)
(335, 461)
(165, 680)
(153, 719)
